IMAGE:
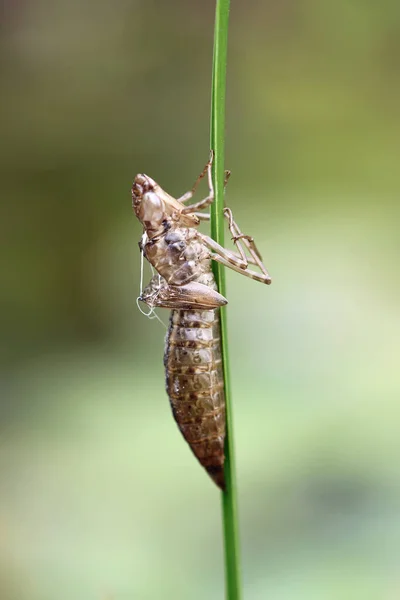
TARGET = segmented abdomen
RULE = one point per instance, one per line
(195, 385)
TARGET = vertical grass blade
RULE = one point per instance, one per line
(229, 498)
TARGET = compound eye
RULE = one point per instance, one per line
(152, 208)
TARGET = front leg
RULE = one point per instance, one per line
(210, 198)
(207, 169)
(202, 204)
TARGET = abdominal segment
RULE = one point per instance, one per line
(195, 385)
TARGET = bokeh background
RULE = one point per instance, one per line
(100, 498)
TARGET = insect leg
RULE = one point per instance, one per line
(210, 198)
(206, 201)
(221, 251)
(235, 234)
(199, 205)
(203, 216)
(247, 240)
(229, 259)
(247, 272)
(234, 229)
(206, 169)
(249, 259)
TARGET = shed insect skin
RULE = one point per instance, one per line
(184, 283)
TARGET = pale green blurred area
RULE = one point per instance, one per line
(100, 498)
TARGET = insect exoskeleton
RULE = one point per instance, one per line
(184, 283)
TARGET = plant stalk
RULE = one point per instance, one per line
(229, 496)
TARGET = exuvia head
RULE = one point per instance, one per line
(146, 203)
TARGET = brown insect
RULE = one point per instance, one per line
(184, 282)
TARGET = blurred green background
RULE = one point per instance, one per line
(100, 498)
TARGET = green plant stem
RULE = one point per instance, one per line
(229, 498)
